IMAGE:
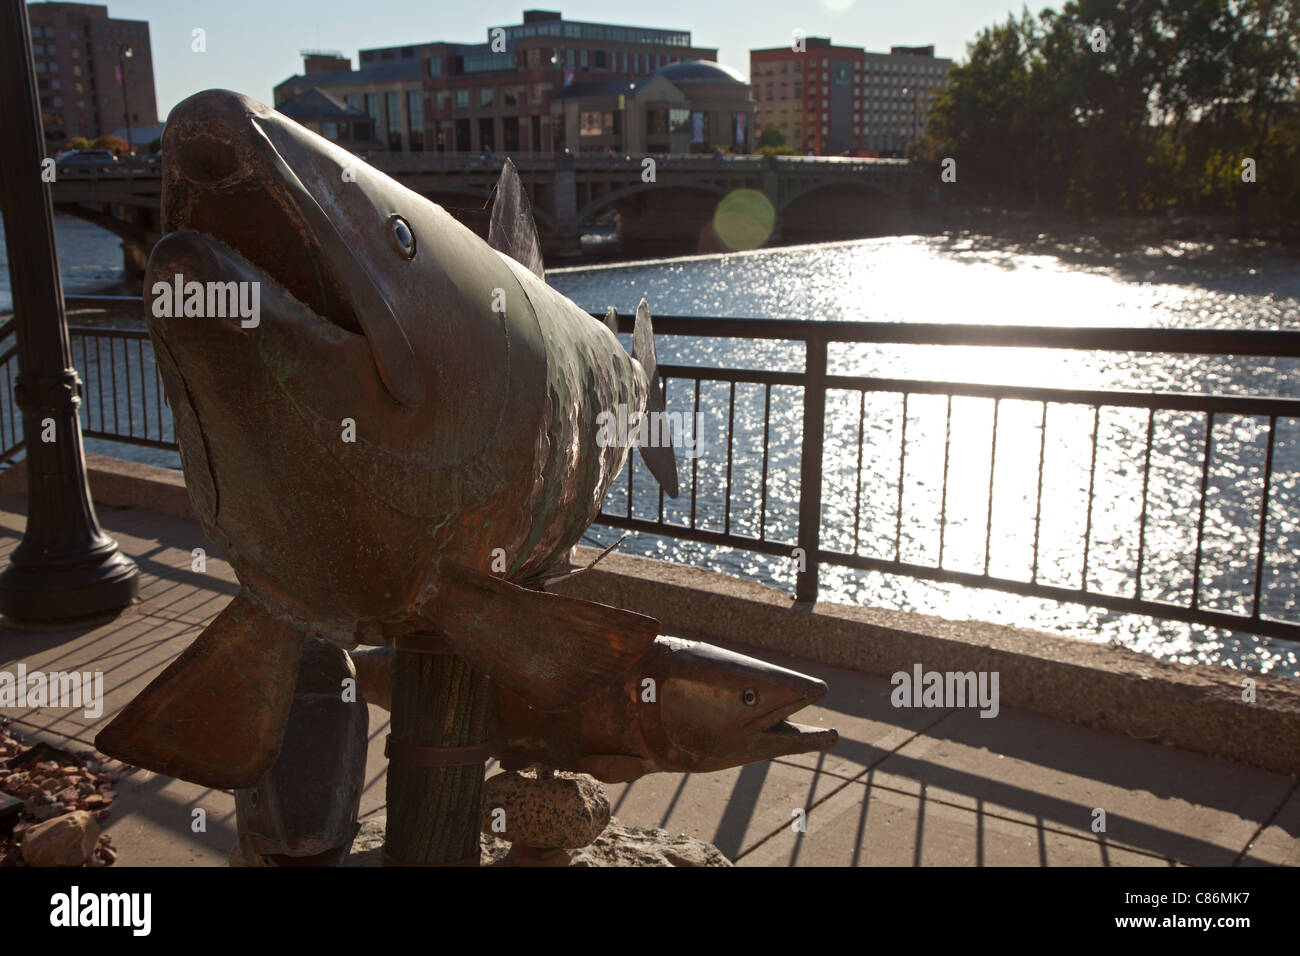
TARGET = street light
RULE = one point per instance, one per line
(125, 53)
(911, 130)
(65, 566)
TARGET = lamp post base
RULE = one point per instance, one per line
(103, 582)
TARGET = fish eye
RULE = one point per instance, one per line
(403, 239)
(750, 698)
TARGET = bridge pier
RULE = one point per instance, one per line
(135, 255)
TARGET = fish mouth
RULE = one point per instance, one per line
(774, 727)
(221, 179)
(227, 178)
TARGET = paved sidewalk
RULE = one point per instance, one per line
(902, 787)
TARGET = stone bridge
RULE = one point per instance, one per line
(664, 208)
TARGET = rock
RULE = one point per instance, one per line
(48, 811)
(67, 840)
(618, 846)
(563, 811)
(640, 846)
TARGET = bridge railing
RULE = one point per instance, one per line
(844, 493)
(467, 162)
(434, 161)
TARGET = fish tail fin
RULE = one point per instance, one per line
(553, 651)
(660, 458)
(216, 715)
(611, 320)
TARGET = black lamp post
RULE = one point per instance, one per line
(914, 95)
(65, 566)
(125, 53)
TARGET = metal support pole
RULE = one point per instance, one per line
(810, 469)
(123, 54)
(441, 720)
(65, 567)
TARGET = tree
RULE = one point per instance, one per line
(1129, 106)
(114, 144)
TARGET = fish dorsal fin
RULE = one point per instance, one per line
(513, 231)
(660, 459)
(611, 320)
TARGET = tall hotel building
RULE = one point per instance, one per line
(86, 81)
(838, 100)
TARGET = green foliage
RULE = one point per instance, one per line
(80, 142)
(114, 144)
(1039, 116)
(771, 137)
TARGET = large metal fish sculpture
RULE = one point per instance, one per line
(684, 707)
(410, 407)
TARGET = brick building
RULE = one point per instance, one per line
(835, 100)
(495, 94)
(81, 62)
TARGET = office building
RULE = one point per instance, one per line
(694, 106)
(94, 73)
(835, 100)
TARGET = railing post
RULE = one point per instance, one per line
(810, 468)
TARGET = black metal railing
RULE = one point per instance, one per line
(122, 398)
(816, 382)
(123, 401)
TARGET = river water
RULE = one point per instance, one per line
(969, 279)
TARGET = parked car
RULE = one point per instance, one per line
(153, 160)
(86, 161)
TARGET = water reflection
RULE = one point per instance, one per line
(941, 513)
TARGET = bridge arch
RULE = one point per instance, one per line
(605, 200)
(126, 231)
(849, 185)
(841, 210)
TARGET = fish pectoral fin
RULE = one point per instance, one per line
(660, 459)
(553, 651)
(216, 715)
(615, 768)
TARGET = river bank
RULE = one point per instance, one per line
(1115, 233)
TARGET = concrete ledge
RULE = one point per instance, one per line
(122, 484)
(1194, 707)
(1189, 706)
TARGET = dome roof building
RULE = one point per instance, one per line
(692, 106)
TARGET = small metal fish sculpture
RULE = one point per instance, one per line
(684, 707)
(409, 407)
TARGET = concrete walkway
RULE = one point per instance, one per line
(902, 788)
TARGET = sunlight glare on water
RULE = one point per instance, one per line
(978, 280)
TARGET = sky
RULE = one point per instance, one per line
(254, 44)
